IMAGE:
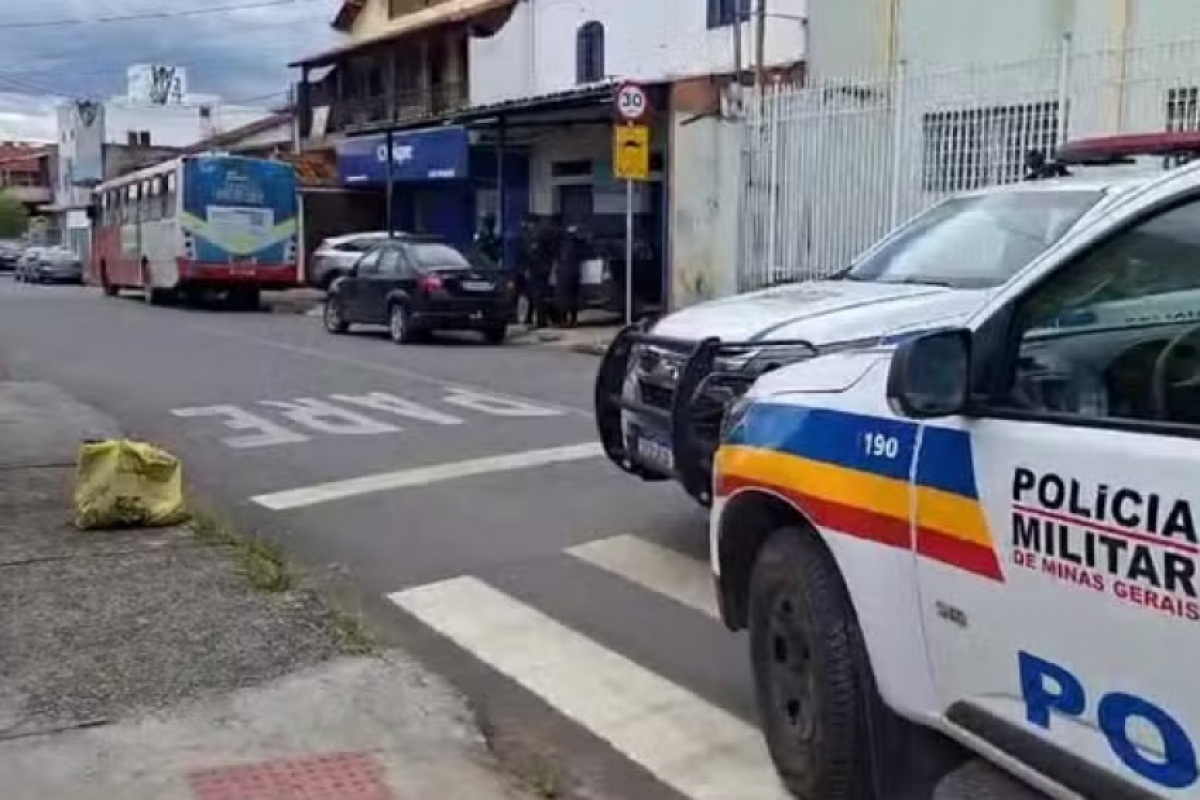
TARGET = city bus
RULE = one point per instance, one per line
(197, 225)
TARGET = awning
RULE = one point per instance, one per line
(442, 14)
(578, 97)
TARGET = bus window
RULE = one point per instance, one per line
(170, 194)
(156, 197)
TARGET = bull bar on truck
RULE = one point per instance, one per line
(704, 387)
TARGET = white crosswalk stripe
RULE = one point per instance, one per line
(662, 570)
(689, 744)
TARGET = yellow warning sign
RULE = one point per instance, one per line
(631, 152)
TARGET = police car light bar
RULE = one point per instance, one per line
(1123, 149)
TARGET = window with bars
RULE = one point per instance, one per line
(725, 12)
(589, 53)
(971, 148)
(1183, 114)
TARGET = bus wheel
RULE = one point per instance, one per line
(827, 729)
(109, 289)
(245, 299)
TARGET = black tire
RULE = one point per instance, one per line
(328, 278)
(827, 729)
(332, 317)
(495, 334)
(400, 325)
(242, 299)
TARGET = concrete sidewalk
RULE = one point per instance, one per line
(153, 665)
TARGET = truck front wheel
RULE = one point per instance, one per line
(828, 732)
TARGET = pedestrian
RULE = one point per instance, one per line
(487, 241)
(525, 246)
(568, 280)
(540, 259)
(551, 239)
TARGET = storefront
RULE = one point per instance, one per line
(441, 183)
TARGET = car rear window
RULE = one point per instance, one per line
(435, 256)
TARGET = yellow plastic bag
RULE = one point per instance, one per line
(126, 484)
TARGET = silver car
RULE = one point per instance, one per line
(338, 254)
(27, 263)
(58, 265)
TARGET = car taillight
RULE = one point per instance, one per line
(431, 283)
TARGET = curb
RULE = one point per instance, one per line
(589, 348)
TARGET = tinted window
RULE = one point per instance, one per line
(440, 256)
(368, 263)
(389, 261)
(975, 242)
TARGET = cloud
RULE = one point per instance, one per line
(238, 54)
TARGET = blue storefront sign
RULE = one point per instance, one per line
(435, 154)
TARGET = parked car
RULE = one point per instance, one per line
(337, 254)
(10, 254)
(415, 286)
(26, 261)
(57, 265)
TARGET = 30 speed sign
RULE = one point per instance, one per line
(631, 102)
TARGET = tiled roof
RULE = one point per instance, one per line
(232, 137)
(22, 154)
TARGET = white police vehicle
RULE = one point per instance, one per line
(662, 387)
(969, 560)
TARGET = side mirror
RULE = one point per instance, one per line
(931, 375)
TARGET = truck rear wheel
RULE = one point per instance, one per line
(827, 729)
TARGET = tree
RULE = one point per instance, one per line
(13, 217)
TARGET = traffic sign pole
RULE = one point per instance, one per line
(631, 105)
(628, 251)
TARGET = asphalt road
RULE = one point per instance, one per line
(461, 483)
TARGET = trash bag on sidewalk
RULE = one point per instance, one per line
(121, 483)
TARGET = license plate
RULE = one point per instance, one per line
(242, 271)
(653, 452)
(478, 286)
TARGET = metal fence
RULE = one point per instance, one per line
(828, 168)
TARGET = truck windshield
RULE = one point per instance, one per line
(974, 242)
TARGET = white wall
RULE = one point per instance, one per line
(592, 142)
(534, 53)
(174, 126)
(850, 37)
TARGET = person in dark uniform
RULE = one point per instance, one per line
(537, 277)
(487, 241)
(568, 280)
(526, 247)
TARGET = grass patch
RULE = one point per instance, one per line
(351, 633)
(261, 563)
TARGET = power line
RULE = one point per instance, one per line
(154, 15)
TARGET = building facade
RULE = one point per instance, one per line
(26, 172)
(506, 107)
(548, 46)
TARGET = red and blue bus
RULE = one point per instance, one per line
(197, 225)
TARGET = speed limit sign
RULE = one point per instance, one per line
(631, 102)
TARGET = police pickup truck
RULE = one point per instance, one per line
(967, 558)
(662, 388)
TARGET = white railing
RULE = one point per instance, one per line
(828, 168)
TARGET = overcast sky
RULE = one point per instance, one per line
(238, 54)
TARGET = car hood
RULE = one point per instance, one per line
(823, 312)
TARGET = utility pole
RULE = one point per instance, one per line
(738, 59)
(760, 46)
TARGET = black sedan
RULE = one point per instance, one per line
(416, 286)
